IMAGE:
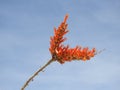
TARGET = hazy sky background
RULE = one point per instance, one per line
(25, 28)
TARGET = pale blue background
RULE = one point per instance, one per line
(25, 28)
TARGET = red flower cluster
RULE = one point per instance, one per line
(63, 53)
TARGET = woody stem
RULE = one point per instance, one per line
(36, 73)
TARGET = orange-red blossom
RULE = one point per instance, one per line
(63, 53)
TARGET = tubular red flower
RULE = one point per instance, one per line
(63, 53)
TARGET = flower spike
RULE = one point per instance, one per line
(63, 53)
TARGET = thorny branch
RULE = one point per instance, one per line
(36, 73)
(62, 53)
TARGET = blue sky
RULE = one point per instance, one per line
(25, 28)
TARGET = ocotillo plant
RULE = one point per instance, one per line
(62, 53)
